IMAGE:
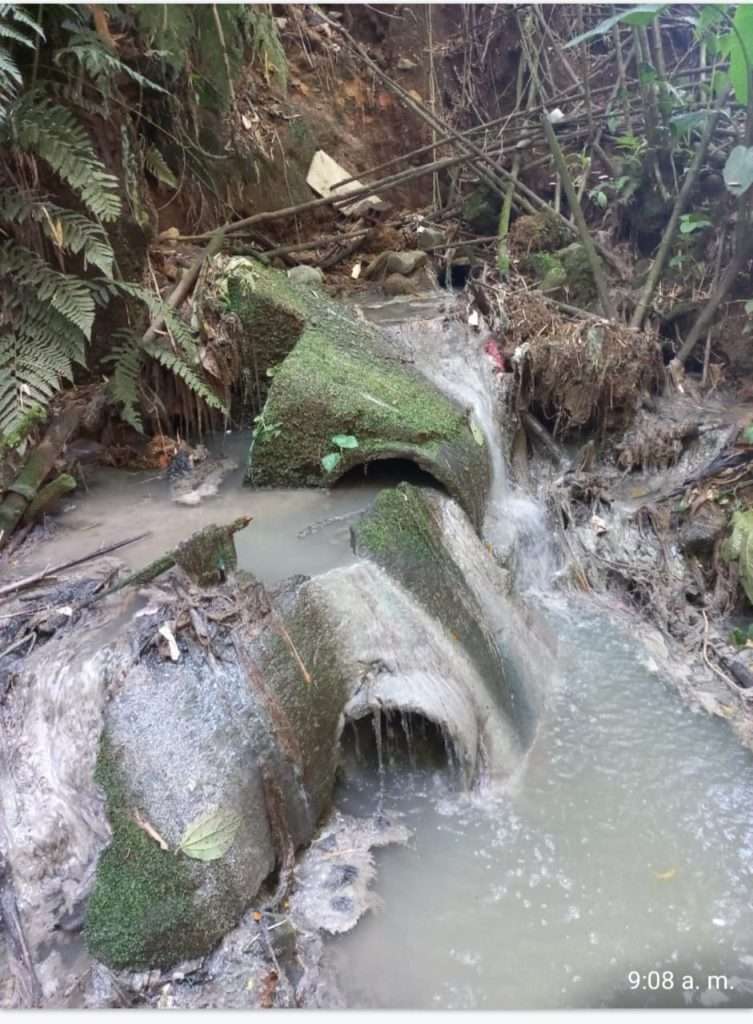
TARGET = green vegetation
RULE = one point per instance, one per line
(62, 266)
(141, 909)
(338, 383)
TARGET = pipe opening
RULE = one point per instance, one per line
(396, 741)
(390, 473)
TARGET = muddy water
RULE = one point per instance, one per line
(293, 531)
(625, 844)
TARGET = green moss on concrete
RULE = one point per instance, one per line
(403, 533)
(141, 912)
(340, 377)
(398, 526)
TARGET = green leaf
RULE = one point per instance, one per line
(738, 171)
(739, 548)
(741, 37)
(683, 124)
(738, 637)
(748, 434)
(690, 222)
(344, 441)
(210, 836)
(647, 74)
(719, 83)
(636, 16)
(749, 307)
(329, 462)
(709, 18)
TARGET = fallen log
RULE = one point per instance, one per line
(47, 496)
(35, 471)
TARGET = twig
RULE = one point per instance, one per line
(184, 286)
(585, 236)
(30, 581)
(293, 649)
(657, 267)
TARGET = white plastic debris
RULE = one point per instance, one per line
(323, 177)
(598, 525)
(172, 644)
(555, 116)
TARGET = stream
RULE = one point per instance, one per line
(624, 844)
(614, 869)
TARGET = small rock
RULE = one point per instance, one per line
(391, 262)
(701, 532)
(398, 284)
(306, 276)
(406, 64)
(429, 238)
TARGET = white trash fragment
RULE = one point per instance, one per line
(598, 525)
(323, 177)
(172, 644)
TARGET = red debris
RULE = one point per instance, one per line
(492, 350)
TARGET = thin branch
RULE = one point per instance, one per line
(580, 221)
(662, 256)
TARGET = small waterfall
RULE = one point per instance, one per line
(452, 356)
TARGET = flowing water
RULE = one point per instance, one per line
(616, 868)
(624, 845)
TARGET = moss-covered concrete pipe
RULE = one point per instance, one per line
(248, 728)
(339, 376)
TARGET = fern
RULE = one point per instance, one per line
(16, 26)
(68, 295)
(68, 230)
(155, 163)
(183, 335)
(127, 360)
(52, 133)
(87, 51)
(177, 365)
(29, 377)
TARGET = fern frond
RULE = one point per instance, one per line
(44, 327)
(155, 163)
(10, 74)
(68, 230)
(56, 136)
(29, 378)
(14, 12)
(175, 364)
(127, 359)
(183, 335)
(69, 295)
(99, 63)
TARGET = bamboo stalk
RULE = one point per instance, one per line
(580, 221)
(660, 262)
